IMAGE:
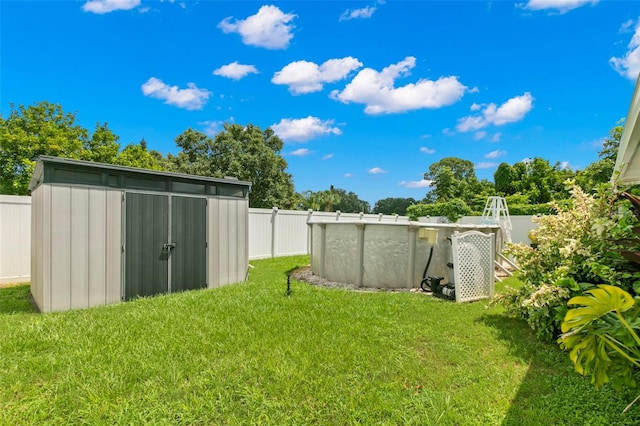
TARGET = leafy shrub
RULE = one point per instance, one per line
(452, 210)
(577, 248)
(530, 209)
(602, 336)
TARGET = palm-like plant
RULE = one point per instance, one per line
(602, 335)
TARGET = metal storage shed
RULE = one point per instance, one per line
(628, 159)
(102, 233)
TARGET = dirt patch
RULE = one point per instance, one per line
(11, 285)
(304, 274)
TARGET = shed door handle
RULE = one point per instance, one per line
(168, 246)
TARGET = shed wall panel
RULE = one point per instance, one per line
(243, 240)
(213, 213)
(60, 248)
(113, 246)
(228, 231)
(232, 245)
(36, 246)
(79, 248)
(97, 245)
(223, 242)
(45, 245)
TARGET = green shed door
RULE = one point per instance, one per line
(188, 232)
(146, 232)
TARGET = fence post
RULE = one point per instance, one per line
(411, 258)
(337, 215)
(274, 231)
(361, 215)
(379, 217)
(323, 249)
(360, 227)
(309, 239)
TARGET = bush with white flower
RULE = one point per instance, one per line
(577, 248)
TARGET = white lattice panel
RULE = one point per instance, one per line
(473, 259)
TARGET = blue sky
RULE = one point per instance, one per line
(365, 94)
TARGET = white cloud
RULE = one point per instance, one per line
(448, 132)
(376, 171)
(235, 71)
(496, 137)
(190, 98)
(485, 165)
(511, 111)
(144, 9)
(212, 127)
(327, 157)
(348, 175)
(416, 183)
(626, 26)
(480, 135)
(594, 144)
(269, 28)
(629, 64)
(495, 154)
(426, 150)
(363, 13)
(302, 152)
(376, 90)
(476, 107)
(561, 6)
(564, 165)
(425, 136)
(105, 6)
(307, 77)
(303, 129)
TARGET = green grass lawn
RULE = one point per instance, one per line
(249, 354)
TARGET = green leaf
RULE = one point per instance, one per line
(599, 302)
(569, 283)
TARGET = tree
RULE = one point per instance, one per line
(103, 145)
(534, 178)
(310, 200)
(137, 155)
(503, 179)
(393, 206)
(245, 152)
(350, 202)
(600, 171)
(452, 177)
(327, 199)
(29, 132)
(45, 129)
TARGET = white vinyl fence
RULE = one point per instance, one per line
(272, 233)
(15, 239)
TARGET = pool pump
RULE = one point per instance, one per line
(432, 283)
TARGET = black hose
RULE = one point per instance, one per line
(426, 268)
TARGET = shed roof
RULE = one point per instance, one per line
(628, 159)
(64, 170)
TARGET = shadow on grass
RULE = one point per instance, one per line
(295, 268)
(16, 299)
(552, 392)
